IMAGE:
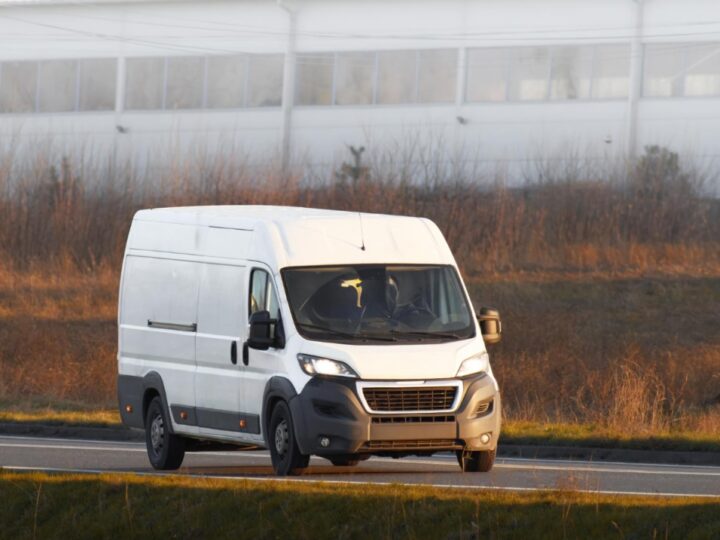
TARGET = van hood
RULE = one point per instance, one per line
(417, 361)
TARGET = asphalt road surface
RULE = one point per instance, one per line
(36, 453)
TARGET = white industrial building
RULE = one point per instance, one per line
(502, 81)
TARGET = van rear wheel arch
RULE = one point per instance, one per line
(154, 387)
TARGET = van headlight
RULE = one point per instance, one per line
(474, 364)
(315, 365)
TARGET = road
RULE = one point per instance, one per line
(22, 453)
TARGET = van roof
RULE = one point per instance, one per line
(242, 216)
(294, 236)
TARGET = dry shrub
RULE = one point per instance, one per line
(636, 398)
(80, 212)
(631, 354)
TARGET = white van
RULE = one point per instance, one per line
(307, 332)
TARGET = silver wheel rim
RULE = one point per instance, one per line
(281, 438)
(157, 431)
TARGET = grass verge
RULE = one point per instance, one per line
(84, 418)
(127, 506)
(593, 436)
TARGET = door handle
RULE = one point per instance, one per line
(233, 352)
(246, 354)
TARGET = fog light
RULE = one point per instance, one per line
(485, 438)
(324, 442)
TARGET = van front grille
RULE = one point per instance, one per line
(412, 419)
(425, 398)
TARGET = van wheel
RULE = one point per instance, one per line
(480, 461)
(284, 452)
(165, 450)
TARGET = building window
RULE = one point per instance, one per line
(529, 74)
(182, 82)
(437, 76)
(539, 73)
(265, 80)
(97, 84)
(571, 72)
(487, 71)
(663, 70)
(226, 78)
(144, 83)
(611, 72)
(703, 70)
(354, 74)
(185, 78)
(314, 83)
(397, 77)
(57, 86)
(18, 86)
(386, 78)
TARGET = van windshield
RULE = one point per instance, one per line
(378, 303)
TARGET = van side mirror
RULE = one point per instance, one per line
(490, 325)
(259, 336)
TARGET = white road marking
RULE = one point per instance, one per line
(363, 482)
(608, 470)
(447, 461)
(615, 463)
(65, 439)
(72, 447)
(94, 448)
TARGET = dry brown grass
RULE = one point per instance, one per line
(609, 289)
(57, 335)
(638, 356)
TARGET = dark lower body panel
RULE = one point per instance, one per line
(131, 391)
(133, 398)
(330, 420)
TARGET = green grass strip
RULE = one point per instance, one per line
(37, 505)
(592, 436)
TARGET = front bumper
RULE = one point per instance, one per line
(330, 408)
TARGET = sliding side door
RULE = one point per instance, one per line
(221, 330)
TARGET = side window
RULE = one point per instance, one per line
(262, 294)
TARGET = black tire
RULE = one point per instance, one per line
(165, 450)
(284, 452)
(478, 461)
(344, 462)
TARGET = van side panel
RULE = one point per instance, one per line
(190, 239)
(158, 321)
(163, 237)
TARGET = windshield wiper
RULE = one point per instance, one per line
(440, 335)
(347, 334)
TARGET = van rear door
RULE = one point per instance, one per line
(158, 324)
